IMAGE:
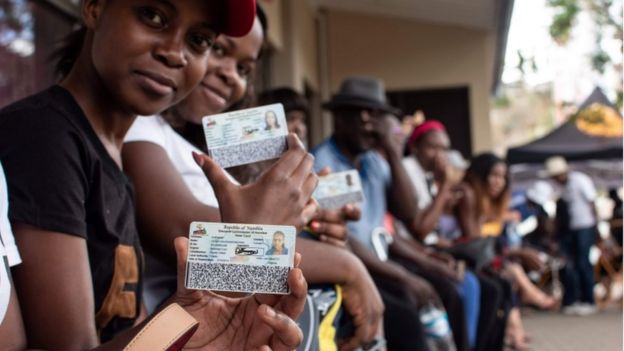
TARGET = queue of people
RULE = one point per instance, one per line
(106, 170)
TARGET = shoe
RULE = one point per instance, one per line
(570, 310)
(579, 309)
(586, 309)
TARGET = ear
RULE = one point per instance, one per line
(91, 11)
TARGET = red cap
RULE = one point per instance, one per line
(423, 128)
(239, 17)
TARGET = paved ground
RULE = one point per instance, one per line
(557, 332)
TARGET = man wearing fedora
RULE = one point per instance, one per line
(359, 110)
(577, 233)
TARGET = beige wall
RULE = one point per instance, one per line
(273, 10)
(410, 55)
(296, 61)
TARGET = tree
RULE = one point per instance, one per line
(608, 19)
(565, 14)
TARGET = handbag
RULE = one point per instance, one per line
(477, 253)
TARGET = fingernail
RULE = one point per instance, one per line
(271, 312)
(300, 276)
(198, 159)
(314, 225)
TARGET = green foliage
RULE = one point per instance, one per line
(601, 13)
(599, 60)
(607, 20)
(565, 15)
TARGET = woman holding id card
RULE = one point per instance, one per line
(157, 156)
(71, 205)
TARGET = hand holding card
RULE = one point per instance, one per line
(330, 225)
(282, 195)
(336, 190)
(251, 323)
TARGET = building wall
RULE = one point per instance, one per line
(273, 10)
(408, 54)
(294, 38)
(295, 59)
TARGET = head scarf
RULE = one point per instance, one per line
(423, 128)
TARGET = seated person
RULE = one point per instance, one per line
(482, 212)
(75, 225)
(357, 110)
(400, 284)
(12, 335)
(538, 196)
(428, 172)
(157, 157)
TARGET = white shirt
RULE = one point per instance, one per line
(424, 193)
(9, 256)
(579, 193)
(157, 131)
(419, 181)
(160, 279)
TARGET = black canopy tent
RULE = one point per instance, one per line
(571, 142)
(591, 140)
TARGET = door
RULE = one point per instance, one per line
(448, 105)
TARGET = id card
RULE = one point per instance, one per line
(249, 258)
(338, 189)
(246, 136)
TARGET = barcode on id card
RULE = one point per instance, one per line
(236, 277)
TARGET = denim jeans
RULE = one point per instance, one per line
(470, 291)
(579, 282)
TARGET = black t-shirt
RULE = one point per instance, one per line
(61, 178)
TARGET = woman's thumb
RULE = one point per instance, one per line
(181, 248)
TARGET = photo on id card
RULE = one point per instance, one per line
(249, 258)
(246, 136)
(335, 190)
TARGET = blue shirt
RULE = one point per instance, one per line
(271, 251)
(376, 177)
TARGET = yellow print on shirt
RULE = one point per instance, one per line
(118, 302)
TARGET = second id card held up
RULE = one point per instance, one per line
(246, 136)
(338, 189)
(248, 258)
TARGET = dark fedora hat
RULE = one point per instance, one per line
(361, 92)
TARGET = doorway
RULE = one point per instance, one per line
(450, 106)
